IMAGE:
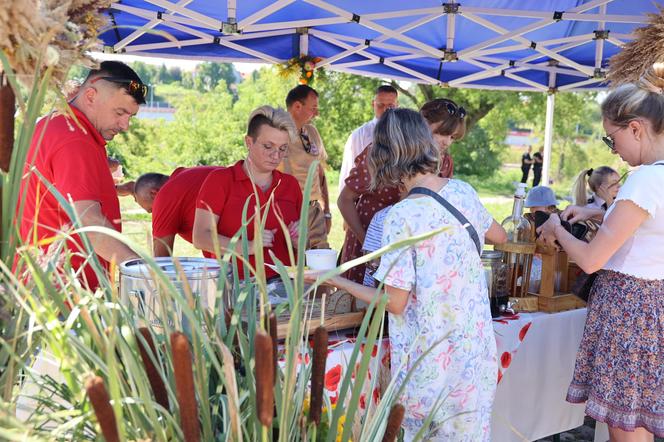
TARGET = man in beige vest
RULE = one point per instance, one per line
(302, 104)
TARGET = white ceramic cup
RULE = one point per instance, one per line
(321, 259)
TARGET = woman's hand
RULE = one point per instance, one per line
(293, 228)
(547, 231)
(573, 214)
(312, 276)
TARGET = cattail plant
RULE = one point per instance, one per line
(156, 382)
(101, 403)
(394, 423)
(264, 377)
(184, 385)
(272, 320)
(318, 373)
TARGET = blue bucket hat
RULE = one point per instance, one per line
(541, 196)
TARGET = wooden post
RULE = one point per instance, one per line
(7, 110)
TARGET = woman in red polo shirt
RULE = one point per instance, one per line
(225, 192)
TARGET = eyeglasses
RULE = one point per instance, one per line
(134, 88)
(608, 139)
(269, 149)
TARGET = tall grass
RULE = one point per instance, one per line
(196, 377)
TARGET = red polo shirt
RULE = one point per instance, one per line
(174, 207)
(73, 158)
(225, 193)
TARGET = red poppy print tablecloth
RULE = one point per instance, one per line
(510, 332)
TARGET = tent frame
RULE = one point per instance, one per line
(485, 55)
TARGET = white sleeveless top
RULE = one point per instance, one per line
(642, 255)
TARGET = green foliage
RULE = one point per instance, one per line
(475, 154)
(209, 75)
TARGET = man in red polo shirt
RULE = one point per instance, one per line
(70, 153)
(172, 202)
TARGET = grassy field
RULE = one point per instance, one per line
(495, 192)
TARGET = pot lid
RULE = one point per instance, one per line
(192, 267)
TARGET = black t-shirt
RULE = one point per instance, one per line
(525, 157)
(537, 156)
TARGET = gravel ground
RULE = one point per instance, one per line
(585, 433)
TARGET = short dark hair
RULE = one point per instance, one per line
(386, 89)
(150, 180)
(299, 93)
(121, 71)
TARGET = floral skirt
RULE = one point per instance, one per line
(619, 369)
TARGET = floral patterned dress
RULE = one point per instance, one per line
(447, 314)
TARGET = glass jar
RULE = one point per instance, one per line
(496, 273)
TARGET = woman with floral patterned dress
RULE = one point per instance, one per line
(619, 371)
(437, 292)
(358, 202)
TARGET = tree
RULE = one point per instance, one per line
(209, 75)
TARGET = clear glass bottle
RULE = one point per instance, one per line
(518, 228)
(519, 233)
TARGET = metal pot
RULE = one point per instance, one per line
(138, 286)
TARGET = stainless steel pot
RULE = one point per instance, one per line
(138, 287)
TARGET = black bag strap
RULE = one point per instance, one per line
(458, 215)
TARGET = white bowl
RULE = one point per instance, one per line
(321, 259)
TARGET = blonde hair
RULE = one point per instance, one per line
(589, 178)
(402, 148)
(643, 99)
(276, 118)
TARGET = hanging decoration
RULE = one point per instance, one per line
(303, 66)
(641, 53)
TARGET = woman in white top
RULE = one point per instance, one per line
(604, 184)
(619, 369)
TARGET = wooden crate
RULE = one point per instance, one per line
(528, 303)
(336, 322)
(559, 302)
(338, 314)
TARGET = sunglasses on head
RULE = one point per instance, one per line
(452, 109)
(133, 87)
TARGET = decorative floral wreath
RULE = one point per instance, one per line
(304, 66)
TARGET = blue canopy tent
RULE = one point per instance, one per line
(526, 45)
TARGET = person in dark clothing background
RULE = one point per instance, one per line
(538, 160)
(526, 162)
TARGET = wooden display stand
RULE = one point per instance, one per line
(519, 259)
(555, 265)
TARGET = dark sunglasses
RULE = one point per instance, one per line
(608, 139)
(306, 142)
(454, 110)
(134, 88)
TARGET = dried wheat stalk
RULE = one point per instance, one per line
(628, 65)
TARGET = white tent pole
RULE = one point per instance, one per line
(548, 137)
(304, 43)
(139, 32)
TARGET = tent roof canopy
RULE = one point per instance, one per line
(536, 45)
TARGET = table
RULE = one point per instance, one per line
(536, 354)
(530, 398)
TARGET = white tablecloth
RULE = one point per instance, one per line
(530, 399)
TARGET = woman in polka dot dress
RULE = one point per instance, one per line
(358, 204)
